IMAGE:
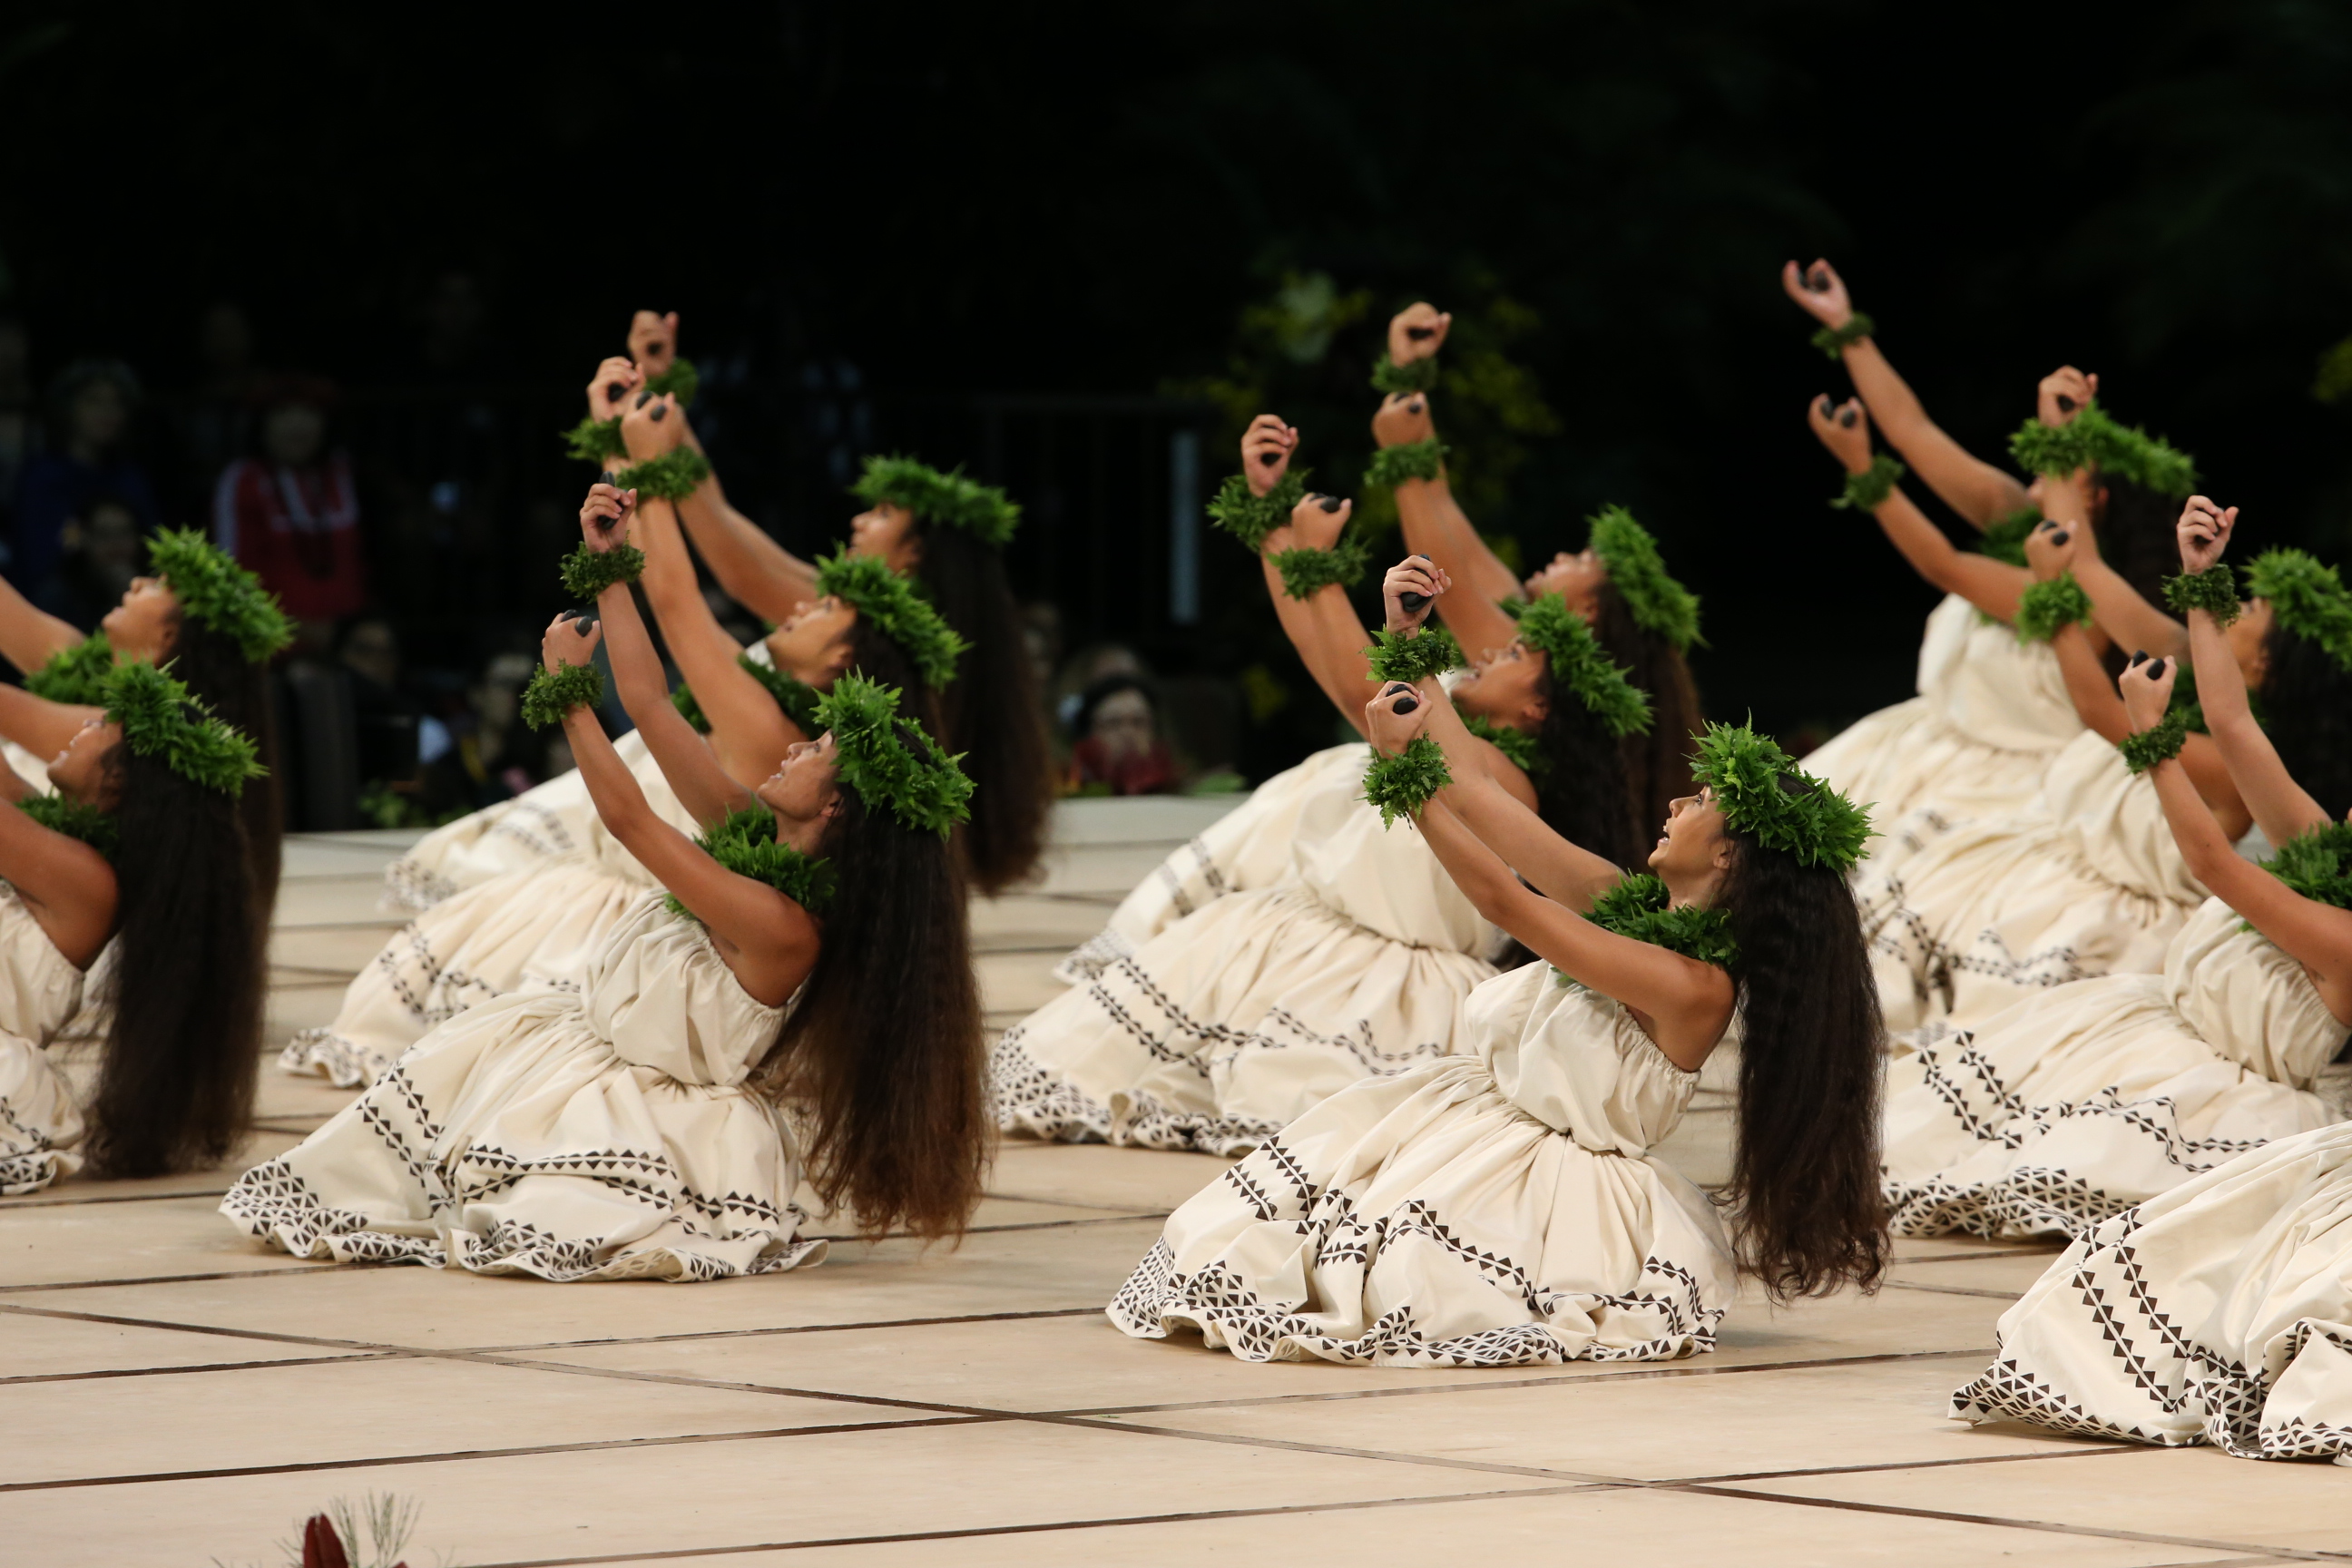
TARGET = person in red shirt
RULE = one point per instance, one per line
(291, 515)
(1118, 749)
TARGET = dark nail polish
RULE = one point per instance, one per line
(2065, 404)
(1847, 419)
(644, 399)
(660, 411)
(2156, 671)
(1415, 407)
(1331, 503)
(2061, 537)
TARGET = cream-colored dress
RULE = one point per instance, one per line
(1992, 713)
(40, 994)
(2088, 882)
(2218, 1312)
(1244, 850)
(1233, 1020)
(1496, 1208)
(2086, 1099)
(603, 1133)
(535, 924)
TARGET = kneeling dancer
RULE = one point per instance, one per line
(1502, 1206)
(810, 958)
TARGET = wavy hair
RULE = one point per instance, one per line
(1805, 1177)
(1656, 766)
(1583, 795)
(990, 709)
(176, 1081)
(2306, 708)
(215, 670)
(881, 1057)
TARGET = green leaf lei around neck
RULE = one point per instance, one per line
(60, 813)
(2005, 540)
(75, 675)
(746, 844)
(2318, 865)
(1525, 752)
(1639, 907)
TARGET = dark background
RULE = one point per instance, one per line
(1025, 237)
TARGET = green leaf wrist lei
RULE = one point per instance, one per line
(1868, 491)
(1414, 376)
(2045, 608)
(1392, 465)
(1403, 784)
(1835, 340)
(2213, 590)
(587, 573)
(2146, 747)
(553, 693)
(1250, 517)
(1412, 656)
(1306, 573)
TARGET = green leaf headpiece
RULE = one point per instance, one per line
(2306, 599)
(1765, 795)
(160, 718)
(982, 511)
(891, 605)
(1659, 604)
(1577, 666)
(219, 594)
(2095, 440)
(888, 760)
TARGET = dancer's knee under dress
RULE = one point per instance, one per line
(2089, 882)
(40, 990)
(2080, 1102)
(1991, 714)
(1496, 1208)
(1232, 1021)
(2218, 1312)
(601, 1134)
(538, 923)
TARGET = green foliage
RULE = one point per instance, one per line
(62, 813)
(2334, 382)
(1401, 785)
(2314, 864)
(552, 694)
(2005, 540)
(2214, 590)
(1639, 907)
(2045, 607)
(681, 380)
(1579, 667)
(1306, 573)
(1391, 466)
(672, 475)
(982, 511)
(1659, 605)
(2306, 599)
(2095, 440)
(1868, 491)
(893, 607)
(1249, 517)
(796, 697)
(1835, 340)
(75, 675)
(587, 573)
(216, 592)
(2146, 747)
(745, 842)
(889, 761)
(1524, 750)
(1767, 796)
(1415, 376)
(1414, 656)
(160, 717)
(594, 440)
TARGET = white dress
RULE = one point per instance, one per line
(538, 922)
(2085, 1100)
(40, 994)
(603, 1133)
(1493, 1209)
(2219, 1312)
(1232, 1021)
(2088, 882)
(1992, 713)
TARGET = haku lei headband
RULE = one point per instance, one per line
(982, 511)
(2306, 596)
(890, 604)
(1578, 667)
(888, 761)
(1658, 603)
(160, 718)
(219, 594)
(1752, 776)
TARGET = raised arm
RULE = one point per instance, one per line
(1503, 819)
(30, 638)
(757, 573)
(703, 786)
(40, 726)
(2129, 619)
(747, 731)
(2282, 809)
(1992, 586)
(1322, 627)
(770, 941)
(1435, 525)
(1975, 488)
(2316, 935)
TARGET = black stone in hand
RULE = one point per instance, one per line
(1329, 503)
(1405, 704)
(661, 411)
(1421, 334)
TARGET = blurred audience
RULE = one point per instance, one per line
(100, 553)
(90, 409)
(494, 755)
(215, 418)
(20, 423)
(1117, 746)
(291, 513)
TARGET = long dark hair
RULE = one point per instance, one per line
(1805, 1177)
(175, 1087)
(216, 672)
(882, 1053)
(991, 709)
(1581, 796)
(2306, 706)
(1657, 765)
(880, 657)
